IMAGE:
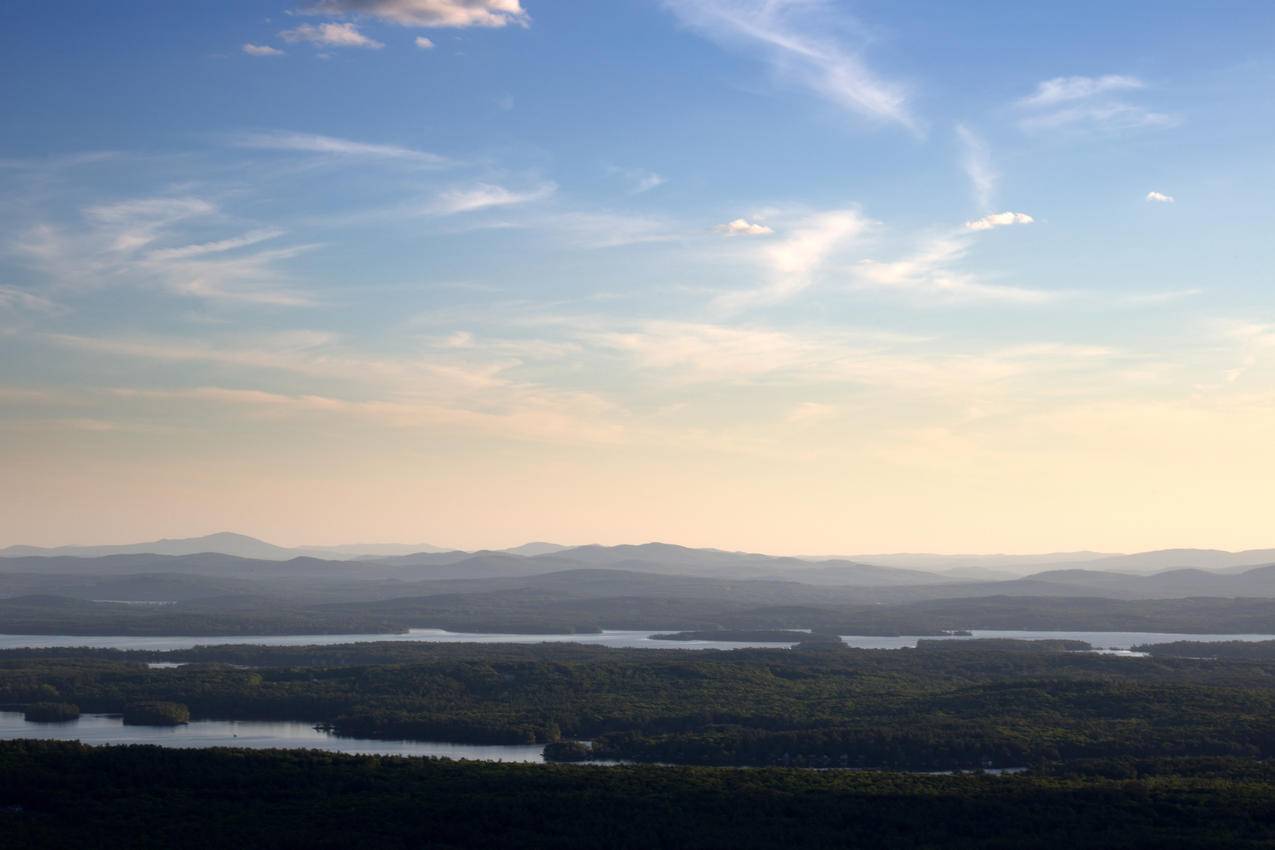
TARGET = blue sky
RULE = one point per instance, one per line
(791, 275)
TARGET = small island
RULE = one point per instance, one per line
(156, 714)
(51, 712)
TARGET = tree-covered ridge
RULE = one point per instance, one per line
(948, 708)
(67, 795)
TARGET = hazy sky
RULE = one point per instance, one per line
(783, 275)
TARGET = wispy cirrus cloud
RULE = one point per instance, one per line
(138, 243)
(934, 272)
(335, 147)
(792, 265)
(976, 160)
(484, 196)
(1066, 89)
(600, 229)
(428, 13)
(186, 252)
(796, 38)
(1080, 102)
(12, 298)
(331, 35)
(684, 352)
(639, 180)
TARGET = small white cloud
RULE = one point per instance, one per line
(1004, 219)
(744, 227)
(1065, 89)
(1159, 198)
(428, 13)
(331, 35)
(423, 43)
(261, 49)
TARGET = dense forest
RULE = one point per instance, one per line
(942, 706)
(620, 601)
(1239, 650)
(66, 795)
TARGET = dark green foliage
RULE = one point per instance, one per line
(66, 795)
(1235, 650)
(155, 713)
(927, 709)
(51, 712)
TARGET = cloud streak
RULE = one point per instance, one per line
(1066, 89)
(428, 13)
(793, 264)
(136, 243)
(261, 50)
(335, 147)
(793, 37)
(1089, 102)
(977, 161)
(485, 196)
(331, 35)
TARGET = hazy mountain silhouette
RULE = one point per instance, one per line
(224, 543)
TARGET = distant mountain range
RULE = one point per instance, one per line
(894, 568)
(224, 543)
(547, 588)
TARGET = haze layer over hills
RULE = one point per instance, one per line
(188, 585)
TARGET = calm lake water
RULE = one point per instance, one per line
(1117, 642)
(619, 639)
(1112, 641)
(98, 729)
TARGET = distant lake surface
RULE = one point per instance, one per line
(613, 638)
(1112, 641)
(99, 729)
(1117, 641)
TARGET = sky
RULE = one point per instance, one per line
(793, 276)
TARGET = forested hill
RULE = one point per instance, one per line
(66, 795)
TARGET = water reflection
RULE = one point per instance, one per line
(99, 729)
(620, 639)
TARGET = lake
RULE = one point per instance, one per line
(620, 639)
(613, 638)
(99, 729)
(1119, 642)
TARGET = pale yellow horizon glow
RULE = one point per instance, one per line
(1112, 476)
